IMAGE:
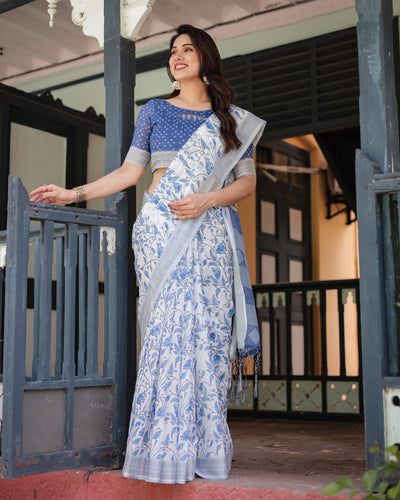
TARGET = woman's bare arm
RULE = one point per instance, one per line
(127, 175)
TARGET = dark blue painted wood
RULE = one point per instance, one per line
(122, 318)
(36, 312)
(41, 211)
(46, 261)
(71, 248)
(60, 274)
(92, 368)
(380, 155)
(359, 341)
(119, 80)
(14, 326)
(110, 298)
(372, 305)
(68, 370)
(4, 158)
(379, 131)
(378, 107)
(107, 323)
(76, 365)
(82, 304)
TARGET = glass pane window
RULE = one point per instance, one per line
(295, 270)
(268, 269)
(295, 224)
(268, 217)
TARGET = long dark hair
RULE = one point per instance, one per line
(218, 88)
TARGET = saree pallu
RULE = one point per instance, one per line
(178, 423)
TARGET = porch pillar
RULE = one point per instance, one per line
(119, 81)
(378, 176)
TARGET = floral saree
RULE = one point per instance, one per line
(196, 313)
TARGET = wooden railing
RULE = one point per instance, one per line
(311, 350)
(64, 354)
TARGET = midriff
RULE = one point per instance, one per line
(157, 174)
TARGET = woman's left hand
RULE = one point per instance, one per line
(192, 205)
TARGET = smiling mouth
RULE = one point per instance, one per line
(180, 66)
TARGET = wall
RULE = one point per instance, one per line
(37, 157)
(247, 212)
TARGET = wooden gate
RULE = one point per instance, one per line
(64, 355)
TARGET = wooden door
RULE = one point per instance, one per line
(283, 246)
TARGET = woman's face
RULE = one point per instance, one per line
(184, 61)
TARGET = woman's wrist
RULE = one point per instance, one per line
(211, 199)
(80, 194)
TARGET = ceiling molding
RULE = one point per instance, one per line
(29, 46)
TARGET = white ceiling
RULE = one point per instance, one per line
(29, 45)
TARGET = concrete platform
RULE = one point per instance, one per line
(273, 460)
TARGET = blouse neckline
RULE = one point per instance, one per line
(187, 109)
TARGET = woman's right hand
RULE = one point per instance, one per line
(50, 193)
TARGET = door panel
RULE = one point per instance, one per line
(283, 201)
(284, 251)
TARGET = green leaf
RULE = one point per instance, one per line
(336, 487)
(390, 467)
(392, 449)
(354, 493)
(383, 486)
(394, 491)
(373, 497)
(393, 464)
(369, 479)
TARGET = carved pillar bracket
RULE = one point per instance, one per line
(89, 14)
(133, 15)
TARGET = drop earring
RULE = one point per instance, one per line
(176, 85)
(205, 80)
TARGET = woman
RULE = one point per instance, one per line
(196, 310)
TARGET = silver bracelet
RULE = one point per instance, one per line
(80, 193)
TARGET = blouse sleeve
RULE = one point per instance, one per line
(139, 152)
(245, 166)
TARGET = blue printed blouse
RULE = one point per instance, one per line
(163, 128)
